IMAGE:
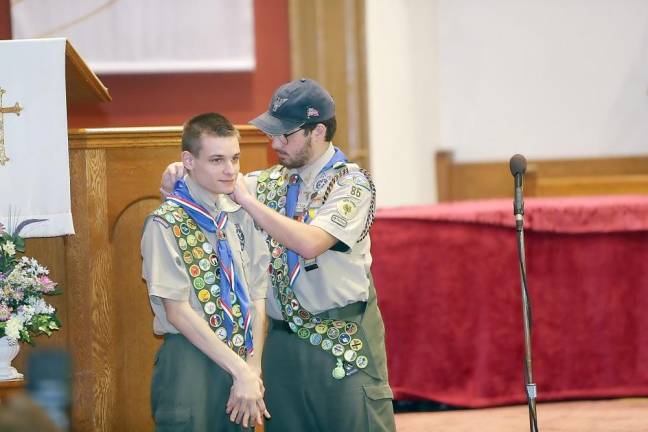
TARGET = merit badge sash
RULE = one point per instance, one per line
(222, 307)
(344, 340)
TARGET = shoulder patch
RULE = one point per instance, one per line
(355, 178)
(253, 174)
(161, 221)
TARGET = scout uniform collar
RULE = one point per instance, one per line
(204, 198)
(310, 171)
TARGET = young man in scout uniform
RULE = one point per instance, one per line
(324, 365)
(206, 273)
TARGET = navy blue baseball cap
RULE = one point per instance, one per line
(295, 104)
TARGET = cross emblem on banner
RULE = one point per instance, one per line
(5, 110)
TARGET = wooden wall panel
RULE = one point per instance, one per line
(107, 321)
(563, 177)
(328, 44)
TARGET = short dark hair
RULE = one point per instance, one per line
(205, 124)
(331, 125)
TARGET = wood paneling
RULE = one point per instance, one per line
(107, 321)
(560, 177)
(328, 44)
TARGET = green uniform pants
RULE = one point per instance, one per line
(188, 390)
(302, 395)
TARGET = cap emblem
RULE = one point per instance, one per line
(312, 112)
(277, 103)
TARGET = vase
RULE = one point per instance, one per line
(8, 351)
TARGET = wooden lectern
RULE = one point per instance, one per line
(104, 309)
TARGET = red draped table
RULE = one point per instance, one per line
(449, 289)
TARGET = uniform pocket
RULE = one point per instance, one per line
(173, 420)
(380, 412)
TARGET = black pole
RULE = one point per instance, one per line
(518, 168)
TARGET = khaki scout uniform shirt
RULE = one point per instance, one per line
(341, 277)
(165, 272)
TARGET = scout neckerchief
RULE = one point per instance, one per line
(341, 338)
(230, 281)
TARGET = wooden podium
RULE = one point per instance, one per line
(107, 321)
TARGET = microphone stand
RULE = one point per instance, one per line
(530, 387)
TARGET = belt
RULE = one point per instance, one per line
(347, 312)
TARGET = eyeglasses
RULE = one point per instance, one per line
(285, 136)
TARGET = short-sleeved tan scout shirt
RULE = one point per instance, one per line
(340, 277)
(164, 270)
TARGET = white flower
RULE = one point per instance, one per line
(9, 247)
(12, 330)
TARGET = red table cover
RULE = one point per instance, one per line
(449, 289)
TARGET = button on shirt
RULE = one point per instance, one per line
(165, 272)
(340, 277)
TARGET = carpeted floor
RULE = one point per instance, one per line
(619, 415)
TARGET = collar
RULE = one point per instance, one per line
(204, 198)
(310, 171)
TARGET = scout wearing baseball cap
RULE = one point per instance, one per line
(324, 360)
(295, 104)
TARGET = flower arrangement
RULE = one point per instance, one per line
(23, 283)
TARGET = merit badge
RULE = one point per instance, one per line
(261, 187)
(204, 266)
(297, 320)
(203, 295)
(200, 236)
(263, 176)
(338, 324)
(309, 325)
(327, 344)
(337, 350)
(303, 333)
(213, 321)
(221, 333)
(176, 231)
(191, 224)
(344, 338)
(351, 328)
(184, 229)
(321, 328)
(182, 243)
(177, 216)
(350, 355)
(198, 253)
(333, 333)
(289, 310)
(209, 277)
(207, 247)
(237, 340)
(199, 283)
(210, 308)
(293, 327)
(362, 362)
(187, 257)
(194, 271)
(356, 344)
(275, 174)
(315, 339)
(169, 218)
(191, 240)
(236, 310)
(215, 289)
(304, 314)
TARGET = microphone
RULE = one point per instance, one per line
(518, 165)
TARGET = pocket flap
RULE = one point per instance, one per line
(378, 391)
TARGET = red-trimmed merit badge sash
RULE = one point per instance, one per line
(203, 267)
(344, 340)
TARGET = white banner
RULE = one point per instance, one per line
(145, 36)
(34, 167)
